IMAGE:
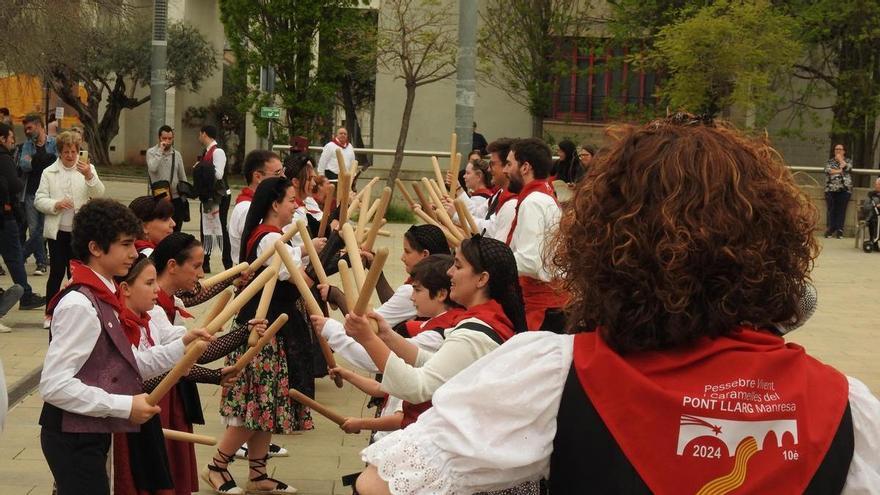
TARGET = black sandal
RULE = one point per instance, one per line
(228, 487)
(260, 469)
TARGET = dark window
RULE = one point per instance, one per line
(600, 85)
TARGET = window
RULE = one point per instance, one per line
(600, 85)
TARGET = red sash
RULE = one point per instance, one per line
(536, 186)
(538, 297)
(246, 194)
(745, 413)
(166, 301)
(447, 319)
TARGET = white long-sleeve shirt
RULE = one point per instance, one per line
(538, 218)
(236, 228)
(75, 330)
(492, 426)
(328, 157)
(477, 206)
(354, 353)
(218, 158)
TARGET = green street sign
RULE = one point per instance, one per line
(270, 112)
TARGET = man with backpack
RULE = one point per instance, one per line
(209, 181)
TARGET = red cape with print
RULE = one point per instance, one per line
(745, 413)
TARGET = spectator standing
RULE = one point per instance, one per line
(65, 187)
(327, 164)
(164, 163)
(214, 194)
(479, 142)
(10, 243)
(838, 189)
(5, 117)
(37, 153)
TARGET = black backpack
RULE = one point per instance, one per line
(204, 182)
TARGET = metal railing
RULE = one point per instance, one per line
(821, 170)
(376, 151)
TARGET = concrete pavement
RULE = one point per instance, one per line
(843, 333)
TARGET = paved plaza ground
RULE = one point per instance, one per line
(843, 333)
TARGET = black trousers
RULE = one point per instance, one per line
(60, 253)
(836, 213)
(78, 461)
(181, 213)
(330, 175)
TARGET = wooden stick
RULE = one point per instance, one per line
(349, 288)
(465, 217)
(354, 254)
(383, 232)
(314, 259)
(265, 299)
(360, 194)
(365, 207)
(363, 301)
(297, 278)
(224, 275)
(193, 353)
(316, 406)
(246, 295)
(454, 164)
(441, 181)
(340, 161)
(221, 302)
(404, 193)
(345, 184)
(328, 210)
(377, 221)
(265, 255)
(423, 200)
(261, 342)
(441, 211)
(450, 238)
(184, 436)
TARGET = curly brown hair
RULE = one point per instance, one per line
(683, 229)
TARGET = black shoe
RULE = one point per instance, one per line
(9, 297)
(838, 234)
(828, 234)
(2, 272)
(31, 301)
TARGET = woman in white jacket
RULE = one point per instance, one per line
(65, 187)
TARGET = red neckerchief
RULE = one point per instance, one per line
(337, 143)
(492, 314)
(701, 417)
(535, 186)
(246, 194)
(446, 319)
(132, 324)
(499, 197)
(81, 274)
(166, 301)
(141, 244)
(258, 234)
(483, 193)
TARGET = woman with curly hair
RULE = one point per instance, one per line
(681, 248)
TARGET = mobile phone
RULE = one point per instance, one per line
(84, 156)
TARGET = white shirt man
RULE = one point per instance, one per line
(328, 164)
(258, 165)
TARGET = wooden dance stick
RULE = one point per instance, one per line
(441, 181)
(451, 239)
(404, 193)
(363, 215)
(316, 406)
(184, 436)
(340, 161)
(265, 300)
(328, 210)
(246, 295)
(297, 278)
(261, 342)
(193, 353)
(465, 217)
(441, 211)
(454, 164)
(224, 275)
(382, 232)
(423, 200)
(314, 259)
(363, 301)
(221, 302)
(360, 194)
(265, 255)
(354, 254)
(377, 220)
(345, 184)
(349, 288)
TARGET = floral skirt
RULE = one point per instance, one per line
(258, 400)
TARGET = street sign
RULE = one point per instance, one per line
(270, 112)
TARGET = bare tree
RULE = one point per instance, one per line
(417, 43)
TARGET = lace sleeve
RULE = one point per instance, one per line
(198, 374)
(225, 344)
(200, 295)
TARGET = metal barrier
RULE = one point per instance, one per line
(821, 170)
(376, 151)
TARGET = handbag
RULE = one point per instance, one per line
(160, 187)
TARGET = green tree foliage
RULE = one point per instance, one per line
(417, 44)
(110, 58)
(284, 35)
(519, 48)
(726, 54)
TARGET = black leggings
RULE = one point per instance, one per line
(60, 253)
(78, 461)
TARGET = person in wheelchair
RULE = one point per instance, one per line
(870, 212)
